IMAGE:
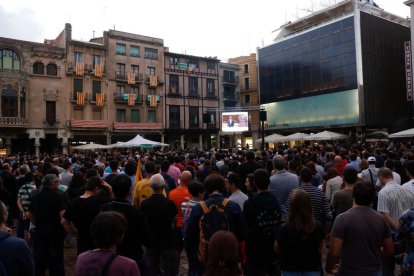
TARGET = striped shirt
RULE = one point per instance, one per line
(25, 195)
(320, 204)
(394, 199)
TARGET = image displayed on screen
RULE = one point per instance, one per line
(235, 121)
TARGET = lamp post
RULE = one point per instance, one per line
(263, 118)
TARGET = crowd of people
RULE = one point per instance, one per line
(234, 212)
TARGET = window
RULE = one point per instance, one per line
(96, 60)
(192, 86)
(152, 91)
(135, 90)
(229, 76)
(38, 68)
(96, 88)
(120, 89)
(246, 84)
(51, 113)
(151, 71)
(96, 114)
(151, 53)
(210, 88)
(193, 116)
(120, 115)
(78, 57)
(229, 93)
(246, 68)
(120, 71)
(120, 49)
(78, 85)
(174, 84)
(135, 116)
(78, 114)
(23, 103)
(51, 69)
(211, 65)
(173, 60)
(9, 102)
(135, 69)
(152, 116)
(247, 99)
(134, 51)
(193, 63)
(9, 59)
(174, 116)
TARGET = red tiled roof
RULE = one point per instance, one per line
(89, 123)
(137, 126)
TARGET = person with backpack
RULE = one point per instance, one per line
(262, 214)
(214, 214)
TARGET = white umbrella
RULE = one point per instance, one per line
(139, 141)
(90, 147)
(298, 136)
(271, 138)
(114, 145)
(408, 133)
(326, 135)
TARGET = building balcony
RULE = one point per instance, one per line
(123, 98)
(81, 69)
(153, 80)
(230, 81)
(175, 124)
(211, 95)
(133, 127)
(79, 98)
(50, 124)
(229, 97)
(13, 122)
(193, 92)
(152, 100)
(11, 73)
(121, 76)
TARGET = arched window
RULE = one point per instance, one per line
(9, 102)
(9, 59)
(38, 68)
(51, 69)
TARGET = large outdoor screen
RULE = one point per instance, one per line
(234, 121)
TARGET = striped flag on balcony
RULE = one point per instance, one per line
(80, 98)
(98, 70)
(153, 100)
(80, 69)
(99, 99)
(131, 99)
(153, 81)
(131, 78)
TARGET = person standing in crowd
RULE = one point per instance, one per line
(77, 185)
(161, 214)
(333, 183)
(370, 174)
(320, 205)
(177, 163)
(137, 231)
(282, 182)
(114, 165)
(262, 214)
(82, 210)
(361, 238)
(342, 200)
(24, 199)
(107, 231)
(66, 176)
(353, 162)
(223, 255)
(15, 255)
(299, 239)
(142, 189)
(405, 234)
(10, 185)
(232, 183)
(45, 212)
(165, 166)
(174, 171)
(409, 168)
(250, 187)
(178, 196)
(249, 166)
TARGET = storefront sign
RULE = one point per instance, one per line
(408, 71)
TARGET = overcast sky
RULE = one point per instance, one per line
(222, 28)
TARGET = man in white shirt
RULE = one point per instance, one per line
(233, 186)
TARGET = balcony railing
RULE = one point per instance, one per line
(74, 98)
(50, 124)
(193, 92)
(123, 98)
(13, 122)
(120, 75)
(176, 124)
(229, 80)
(229, 97)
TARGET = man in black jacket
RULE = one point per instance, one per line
(262, 214)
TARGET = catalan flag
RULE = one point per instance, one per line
(153, 81)
(131, 99)
(131, 78)
(80, 98)
(80, 69)
(99, 99)
(153, 100)
(138, 173)
(98, 70)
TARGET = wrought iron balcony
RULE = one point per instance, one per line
(13, 122)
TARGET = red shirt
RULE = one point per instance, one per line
(179, 195)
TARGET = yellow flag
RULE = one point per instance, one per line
(138, 174)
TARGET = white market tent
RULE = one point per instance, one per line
(90, 147)
(325, 135)
(139, 141)
(298, 136)
(408, 133)
(271, 138)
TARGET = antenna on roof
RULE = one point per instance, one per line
(114, 27)
(93, 34)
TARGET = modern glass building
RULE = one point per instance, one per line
(342, 67)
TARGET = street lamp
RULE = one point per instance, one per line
(263, 118)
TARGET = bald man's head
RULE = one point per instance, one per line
(185, 178)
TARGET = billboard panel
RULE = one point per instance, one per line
(234, 121)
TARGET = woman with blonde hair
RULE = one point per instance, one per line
(299, 239)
